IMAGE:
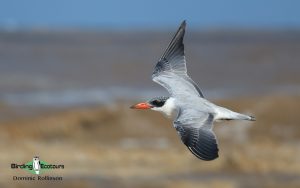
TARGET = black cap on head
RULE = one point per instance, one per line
(158, 101)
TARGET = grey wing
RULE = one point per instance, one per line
(197, 135)
(171, 72)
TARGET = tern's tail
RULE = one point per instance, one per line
(239, 116)
(225, 114)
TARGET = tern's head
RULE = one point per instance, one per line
(161, 104)
(157, 102)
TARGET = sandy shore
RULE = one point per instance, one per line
(114, 146)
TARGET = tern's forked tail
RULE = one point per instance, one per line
(244, 117)
(226, 114)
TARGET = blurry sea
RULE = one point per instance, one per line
(73, 68)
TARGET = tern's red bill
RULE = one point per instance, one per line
(142, 106)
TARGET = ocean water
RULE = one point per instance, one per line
(74, 68)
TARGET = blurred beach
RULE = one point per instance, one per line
(65, 96)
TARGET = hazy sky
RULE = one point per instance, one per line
(152, 13)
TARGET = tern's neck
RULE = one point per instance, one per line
(169, 108)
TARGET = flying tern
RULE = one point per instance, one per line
(193, 115)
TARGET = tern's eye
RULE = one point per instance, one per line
(157, 103)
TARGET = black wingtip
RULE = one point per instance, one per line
(183, 24)
(204, 156)
(176, 44)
